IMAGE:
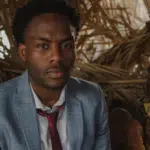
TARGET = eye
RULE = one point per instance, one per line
(43, 46)
(67, 45)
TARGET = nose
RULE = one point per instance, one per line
(55, 53)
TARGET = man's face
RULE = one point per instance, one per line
(48, 50)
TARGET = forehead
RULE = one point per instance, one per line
(50, 25)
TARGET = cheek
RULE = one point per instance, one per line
(69, 57)
(35, 62)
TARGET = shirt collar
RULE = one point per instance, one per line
(40, 105)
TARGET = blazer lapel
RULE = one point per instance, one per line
(74, 119)
(26, 114)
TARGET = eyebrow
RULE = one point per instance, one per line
(69, 38)
(42, 39)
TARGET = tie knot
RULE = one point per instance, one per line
(52, 115)
(45, 114)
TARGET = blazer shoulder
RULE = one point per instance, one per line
(9, 85)
(86, 90)
(85, 85)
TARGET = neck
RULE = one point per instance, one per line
(46, 95)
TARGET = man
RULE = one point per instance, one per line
(30, 105)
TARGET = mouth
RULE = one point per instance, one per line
(56, 73)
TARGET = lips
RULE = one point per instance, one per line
(55, 73)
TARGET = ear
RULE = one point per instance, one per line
(22, 52)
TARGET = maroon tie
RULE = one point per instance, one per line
(52, 125)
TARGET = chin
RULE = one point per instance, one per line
(56, 85)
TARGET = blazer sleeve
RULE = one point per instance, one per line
(102, 140)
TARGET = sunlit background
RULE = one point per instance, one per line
(4, 39)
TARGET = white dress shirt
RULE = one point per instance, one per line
(61, 122)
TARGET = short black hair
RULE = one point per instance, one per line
(36, 7)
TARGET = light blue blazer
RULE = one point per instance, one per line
(87, 122)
